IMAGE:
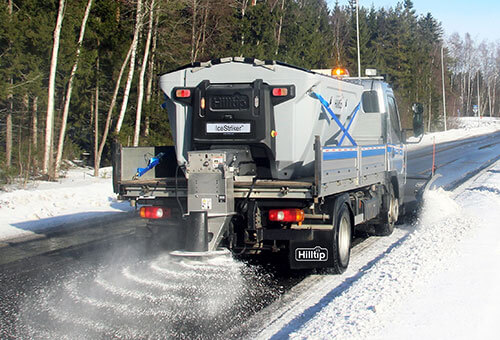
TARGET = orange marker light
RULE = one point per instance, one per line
(274, 133)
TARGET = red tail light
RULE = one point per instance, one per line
(155, 212)
(280, 92)
(286, 215)
(183, 93)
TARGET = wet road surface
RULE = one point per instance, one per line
(120, 288)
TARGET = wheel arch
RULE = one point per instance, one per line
(393, 179)
(338, 201)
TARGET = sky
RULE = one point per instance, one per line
(480, 18)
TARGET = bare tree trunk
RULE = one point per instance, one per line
(35, 122)
(138, 24)
(67, 101)
(140, 95)
(151, 67)
(34, 127)
(26, 101)
(96, 121)
(19, 144)
(49, 125)
(193, 31)
(430, 111)
(462, 92)
(244, 4)
(97, 159)
(92, 116)
(8, 123)
(489, 97)
(203, 30)
(470, 86)
(494, 96)
(8, 131)
(280, 26)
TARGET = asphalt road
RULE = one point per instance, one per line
(126, 287)
(110, 283)
(454, 163)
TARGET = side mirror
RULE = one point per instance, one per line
(418, 119)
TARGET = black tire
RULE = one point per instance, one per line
(342, 237)
(389, 213)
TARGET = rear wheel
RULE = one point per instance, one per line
(342, 236)
(389, 213)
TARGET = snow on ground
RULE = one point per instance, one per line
(442, 282)
(459, 128)
(42, 205)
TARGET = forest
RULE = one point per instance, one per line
(77, 75)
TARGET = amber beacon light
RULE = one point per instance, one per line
(339, 71)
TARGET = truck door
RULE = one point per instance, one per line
(396, 154)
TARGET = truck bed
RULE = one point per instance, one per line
(337, 169)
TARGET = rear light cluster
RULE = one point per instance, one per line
(280, 92)
(183, 93)
(286, 215)
(155, 212)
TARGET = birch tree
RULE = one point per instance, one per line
(69, 90)
(96, 119)
(138, 24)
(107, 126)
(49, 122)
(140, 95)
(280, 27)
(151, 67)
(34, 128)
(8, 121)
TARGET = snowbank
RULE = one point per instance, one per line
(42, 205)
(461, 128)
(442, 282)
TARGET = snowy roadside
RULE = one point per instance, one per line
(442, 281)
(464, 127)
(44, 206)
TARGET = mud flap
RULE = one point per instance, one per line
(316, 253)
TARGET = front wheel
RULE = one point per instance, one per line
(342, 236)
(389, 213)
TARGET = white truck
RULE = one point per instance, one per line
(269, 158)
